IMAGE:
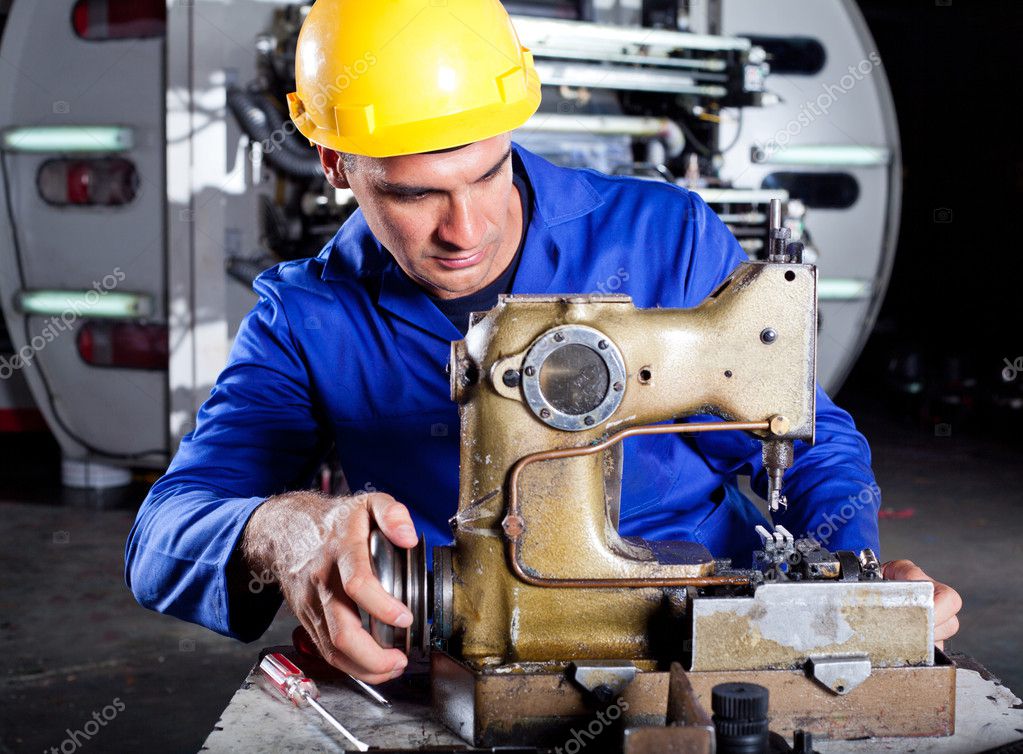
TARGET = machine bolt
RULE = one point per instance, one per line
(602, 345)
(604, 693)
(513, 525)
(558, 337)
(768, 336)
(779, 425)
(588, 421)
(618, 387)
(545, 413)
(511, 378)
(530, 371)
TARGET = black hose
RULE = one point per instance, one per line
(291, 138)
(261, 122)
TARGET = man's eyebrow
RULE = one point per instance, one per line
(405, 189)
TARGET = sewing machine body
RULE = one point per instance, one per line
(543, 613)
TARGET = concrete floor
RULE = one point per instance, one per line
(73, 642)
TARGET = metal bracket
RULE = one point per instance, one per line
(605, 679)
(839, 674)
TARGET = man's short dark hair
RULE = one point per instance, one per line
(348, 160)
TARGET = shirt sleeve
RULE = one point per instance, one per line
(256, 435)
(831, 490)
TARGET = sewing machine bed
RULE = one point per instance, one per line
(987, 715)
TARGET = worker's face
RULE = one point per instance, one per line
(451, 220)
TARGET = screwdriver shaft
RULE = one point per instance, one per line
(371, 691)
(333, 721)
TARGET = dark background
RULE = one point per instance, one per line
(953, 310)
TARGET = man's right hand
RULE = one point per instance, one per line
(317, 548)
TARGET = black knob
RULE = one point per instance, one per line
(740, 718)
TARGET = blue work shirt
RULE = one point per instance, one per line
(344, 349)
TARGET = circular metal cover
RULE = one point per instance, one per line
(402, 572)
(573, 377)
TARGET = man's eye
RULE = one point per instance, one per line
(412, 197)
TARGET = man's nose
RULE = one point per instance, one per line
(462, 227)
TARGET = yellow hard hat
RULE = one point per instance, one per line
(393, 77)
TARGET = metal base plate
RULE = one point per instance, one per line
(537, 704)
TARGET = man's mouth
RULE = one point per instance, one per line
(459, 263)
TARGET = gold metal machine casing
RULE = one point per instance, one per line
(746, 354)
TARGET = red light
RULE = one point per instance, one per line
(119, 19)
(78, 183)
(80, 19)
(105, 182)
(125, 345)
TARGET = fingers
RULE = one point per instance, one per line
(946, 630)
(393, 519)
(903, 570)
(356, 571)
(350, 647)
(947, 603)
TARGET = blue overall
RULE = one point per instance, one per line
(344, 349)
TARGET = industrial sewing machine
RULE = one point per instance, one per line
(544, 616)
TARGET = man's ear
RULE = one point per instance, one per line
(333, 167)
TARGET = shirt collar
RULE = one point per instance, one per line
(559, 196)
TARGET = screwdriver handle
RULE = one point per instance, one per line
(291, 682)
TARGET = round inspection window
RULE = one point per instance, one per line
(573, 377)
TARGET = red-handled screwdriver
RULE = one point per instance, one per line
(296, 686)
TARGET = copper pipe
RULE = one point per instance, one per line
(514, 526)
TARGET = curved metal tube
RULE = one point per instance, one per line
(514, 526)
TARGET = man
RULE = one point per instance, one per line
(349, 348)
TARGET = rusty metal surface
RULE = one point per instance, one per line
(683, 707)
(891, 702)
(668, 741)
(678, 362)
(689, 729)
(782, 625)
(529, 703)
(538, 705)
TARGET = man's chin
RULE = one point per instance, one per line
(453, 281)
(457, 283)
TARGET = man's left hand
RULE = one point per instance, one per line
(947, 601)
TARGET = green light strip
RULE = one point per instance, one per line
(109, 304)
(843, 289)
(839, 155)
(67, 139)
